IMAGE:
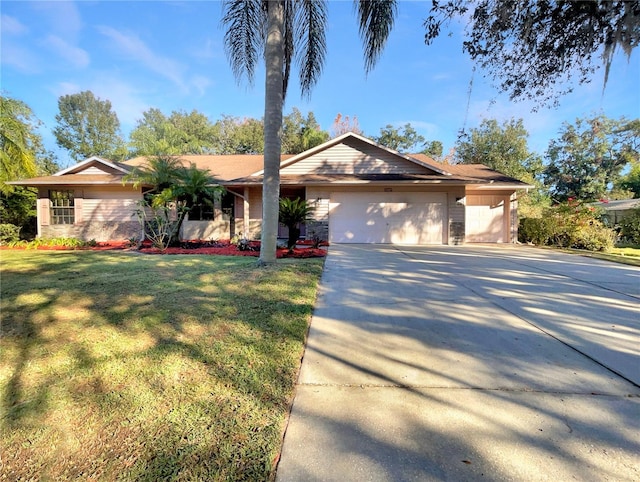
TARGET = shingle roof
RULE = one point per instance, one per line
(73, 179)
(361, 178)
(239, 169)
(223, 167)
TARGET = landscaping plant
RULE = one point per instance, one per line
(293, 213)
(568, 225)
(630, 227)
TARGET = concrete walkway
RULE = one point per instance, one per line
(468, 363)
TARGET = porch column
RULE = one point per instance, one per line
(245, 212)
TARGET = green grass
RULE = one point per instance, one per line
(119, 366)
(626, 255)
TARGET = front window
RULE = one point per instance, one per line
(62, 207)
(201, 212)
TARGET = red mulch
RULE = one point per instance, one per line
(223, 248)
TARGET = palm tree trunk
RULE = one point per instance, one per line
(274, 55)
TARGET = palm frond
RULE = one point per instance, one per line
(289, 43)
(244, 22)
(375, 18)
(310, 39)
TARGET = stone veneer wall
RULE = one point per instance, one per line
(98, 231)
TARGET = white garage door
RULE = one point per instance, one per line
(485, 219)
(387, 217)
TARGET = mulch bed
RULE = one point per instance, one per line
(221, 248)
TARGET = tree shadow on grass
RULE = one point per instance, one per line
(198, 342)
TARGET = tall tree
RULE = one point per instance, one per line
(22, 154)
(343, 124)
(86, 126)
(18, 141)
(531, 47)
(402, 139)
(585, 162)
(288, 30)
(300, 133)
(503, 148)
(433, 149)
(631, 181)
(238, 136)
(179, 134)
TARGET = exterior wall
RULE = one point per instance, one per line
(103, 213)
(455, 200)
(513, 218)
(320, 225)
(353, 157)
(216, 229)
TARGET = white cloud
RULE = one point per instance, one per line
(12, 26)
(63, 16)
(76, 56)
(210, 50)
(19, 58)
(66, 88)
(135, 49)
(201, 83)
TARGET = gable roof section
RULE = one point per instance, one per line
(95, 165)
(351, 153)
(92, 171)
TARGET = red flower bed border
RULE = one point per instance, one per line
(221, 248)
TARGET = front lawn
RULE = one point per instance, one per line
(124, 366)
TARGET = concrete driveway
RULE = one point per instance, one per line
(468, 363)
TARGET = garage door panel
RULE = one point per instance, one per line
(399, 218)
(485, 223)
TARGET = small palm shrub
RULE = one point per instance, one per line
(568, 225)
(293, 213)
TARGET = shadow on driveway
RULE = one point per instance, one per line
(460, 363)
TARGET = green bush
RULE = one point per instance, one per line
(630, 227)
(568, 225)
(9, 233)
(71, 243)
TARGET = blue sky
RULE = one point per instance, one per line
(169, 55)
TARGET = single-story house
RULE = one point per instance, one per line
(614, 211)
(363, 193)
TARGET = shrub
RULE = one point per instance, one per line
(9, 233)
(568, 225)
(72, 243)
(630, 227)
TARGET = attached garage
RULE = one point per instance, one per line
(487, 218)
(387, 217)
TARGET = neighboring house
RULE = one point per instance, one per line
(614, 211)
(363, 193)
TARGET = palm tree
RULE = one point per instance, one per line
(292, 213)
(174, 191)
(288, 29)
(17, 150)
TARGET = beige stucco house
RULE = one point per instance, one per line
(363, 193)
